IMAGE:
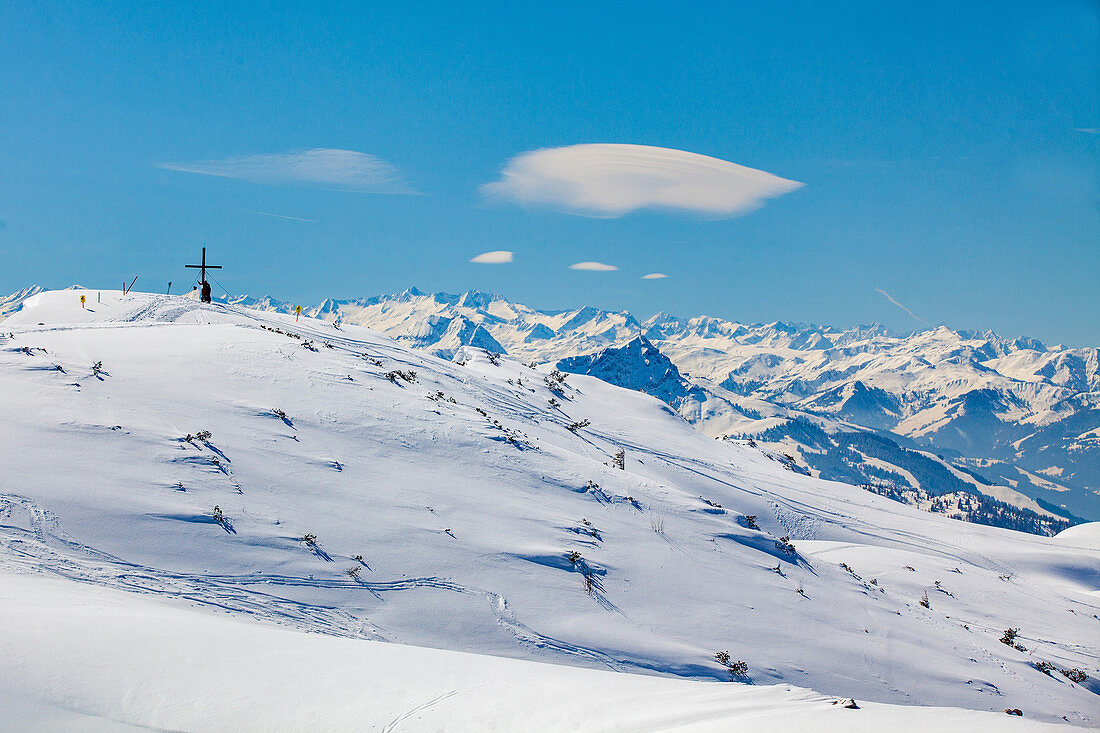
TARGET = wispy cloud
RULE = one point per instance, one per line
(610, 180)
(1089, 130)
(345, 169)
(497, 257)
(899, 305)
(654, 276)
(284, 216)
(593, 266)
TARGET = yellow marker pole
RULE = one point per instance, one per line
(81, 301)
(297, 312)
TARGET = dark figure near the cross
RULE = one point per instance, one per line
(204, 296)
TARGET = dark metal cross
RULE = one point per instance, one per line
(202, 275)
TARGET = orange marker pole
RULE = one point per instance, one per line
(297, 312)
(81, 301)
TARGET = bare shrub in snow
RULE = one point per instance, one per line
(575, 426)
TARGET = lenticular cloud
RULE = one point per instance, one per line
(496, 257)
(609, 180)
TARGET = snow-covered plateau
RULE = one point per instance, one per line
(188, 489)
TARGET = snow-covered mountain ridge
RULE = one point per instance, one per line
(335, 480)
(1012, 419)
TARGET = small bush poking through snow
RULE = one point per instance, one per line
(408, 376)
(574, 557)
(1075, 675)
(784, 544)
(1009, 639)
(309, 539)
(750, 521)
(574, 427)
(736, 668)
(1045, 667)
(619, 461)
(353, 572)
(555, 382)
(924, 601)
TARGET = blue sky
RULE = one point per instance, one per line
(948, 154)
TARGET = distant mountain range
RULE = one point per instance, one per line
(999, 431)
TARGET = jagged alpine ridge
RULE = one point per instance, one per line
(936, 413)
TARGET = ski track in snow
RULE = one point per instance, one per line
(44, 545)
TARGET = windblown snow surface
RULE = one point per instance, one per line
(475, 520)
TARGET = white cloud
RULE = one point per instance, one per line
(345, 169)
(1089, 130)
(609, 180)
(593, 266)
(498, 257)
(654, 276)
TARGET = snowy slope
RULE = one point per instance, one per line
(1019, 416)
(1008, 409)
(464, 514)
(114, 661)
